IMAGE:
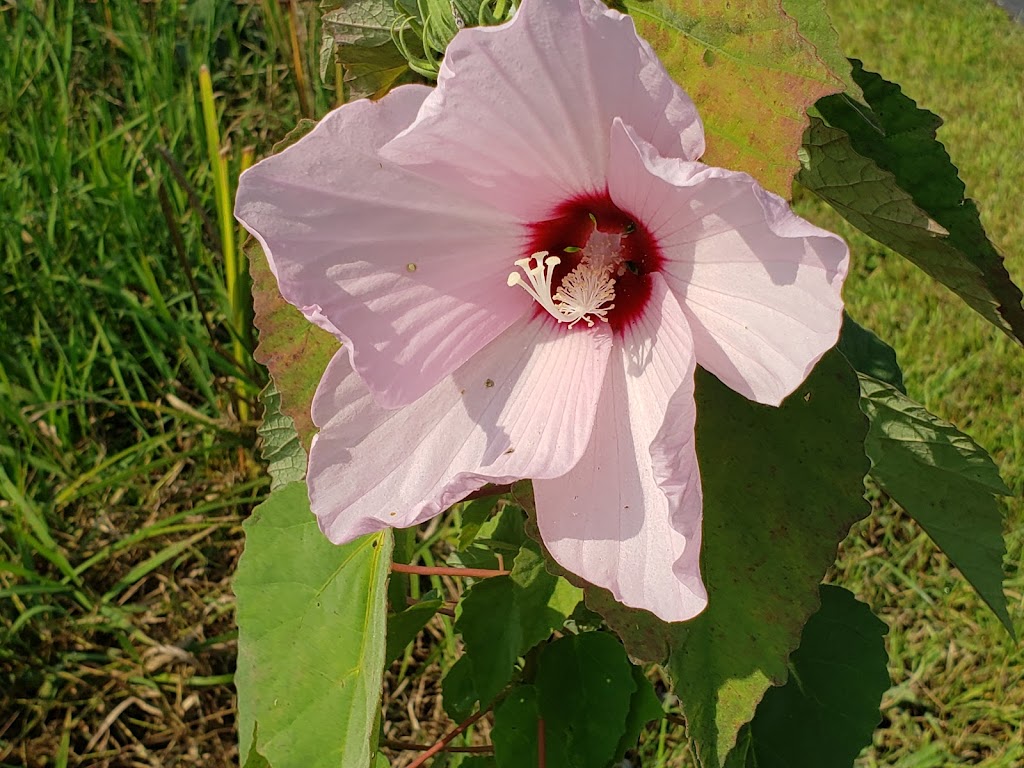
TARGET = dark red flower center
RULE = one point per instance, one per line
(567, 232)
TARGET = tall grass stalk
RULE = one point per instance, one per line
(235, 270)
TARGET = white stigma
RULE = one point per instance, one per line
(587, 292)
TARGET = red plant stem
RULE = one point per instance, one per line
(439, 747)
(437, 570)
(541, 746)
(406, 746)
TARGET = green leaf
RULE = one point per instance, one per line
(782, 486)
(357, 34)
(479, 761)
(591, 699)
(500, 620)
(882, 168)
(311, 620)
(501, 534)
(295, 351)
(750, 72)
(828, 710)
(398, 583)
(372, 72)
(459, 689)
(643, 708)
(940, 476)
(405, 625)
(869, 354)
(644, 635)
(364, 23)
(516, 730)
(585, 686)
(255, 759)
(944, 480)
(281, 449)
(473, 516)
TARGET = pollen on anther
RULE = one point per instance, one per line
(585, 293)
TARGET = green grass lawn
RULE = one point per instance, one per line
(126, 459)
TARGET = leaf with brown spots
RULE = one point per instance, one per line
(295, 351)
(750, 72)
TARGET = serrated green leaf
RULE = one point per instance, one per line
(366, 23)
(870, 355)
(311, 645)
(815, 25)
(828, 710)
(358, 35)
(584, 690)
(585, 685)
(944, 480)
(882, 168)
(963, 521)
(500, 620)
(750, 72)
(643, 708)
(405, 625)
(542, 601)
(281, 449)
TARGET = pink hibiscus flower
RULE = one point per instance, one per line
(525, 264)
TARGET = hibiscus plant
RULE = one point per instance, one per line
(554, 361)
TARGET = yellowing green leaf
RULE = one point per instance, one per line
(750, 72)
(295, 351)
(782, 486)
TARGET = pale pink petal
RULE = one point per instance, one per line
(522, 407)
(760, 286)
(410, 273)
(522, 111)
(627, 517)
